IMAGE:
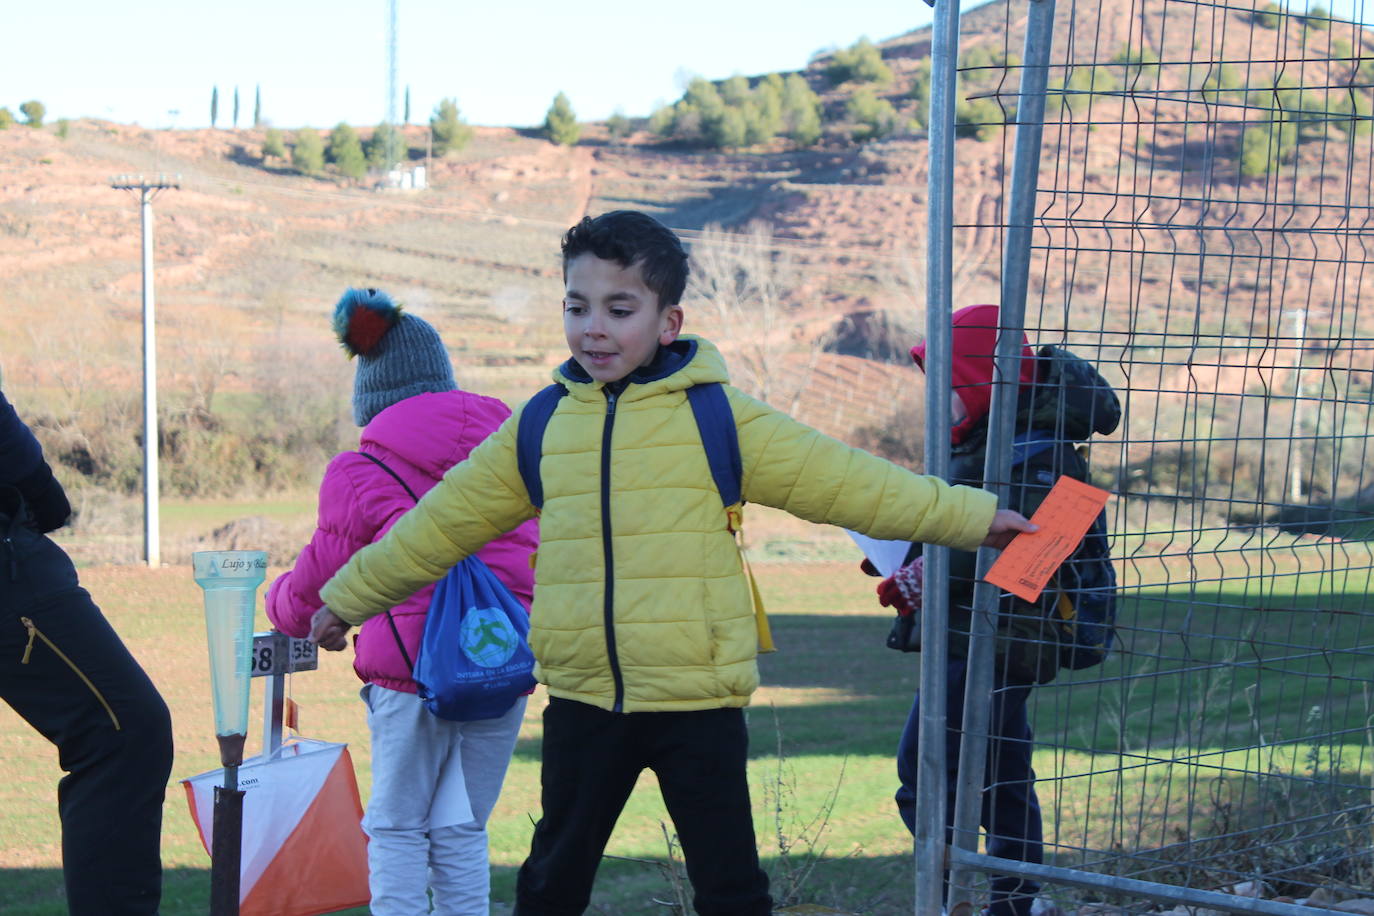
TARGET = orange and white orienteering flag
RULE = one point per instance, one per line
(304, 851)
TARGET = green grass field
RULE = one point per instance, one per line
(823, 731)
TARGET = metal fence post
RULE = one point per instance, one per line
(931, 771)
(978, 686)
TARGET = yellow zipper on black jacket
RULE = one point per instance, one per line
(608, 610)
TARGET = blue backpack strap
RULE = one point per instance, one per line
(716, 423)
(720, 438)
(1028, 444)
(529, 438)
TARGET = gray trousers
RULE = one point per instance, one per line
(434, 784)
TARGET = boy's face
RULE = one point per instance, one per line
(612, 320)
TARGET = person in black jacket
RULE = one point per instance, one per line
(1062, 401)
(66, 672)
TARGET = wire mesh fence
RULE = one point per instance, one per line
(1202, 233)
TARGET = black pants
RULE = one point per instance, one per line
(110, 801)
(591, 760)
(1011, 809)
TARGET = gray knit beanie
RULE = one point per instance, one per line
(399, 355)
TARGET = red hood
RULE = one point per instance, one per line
(973, 345)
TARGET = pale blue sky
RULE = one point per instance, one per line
(323, 62)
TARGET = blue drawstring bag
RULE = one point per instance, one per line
(474, 660)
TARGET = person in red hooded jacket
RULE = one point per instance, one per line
(1055, 412)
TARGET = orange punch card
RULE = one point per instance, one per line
(1064, 517)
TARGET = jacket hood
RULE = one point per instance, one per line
(687, 361)
(431, 431)
(973, 346)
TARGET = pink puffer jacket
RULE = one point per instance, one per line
(419, 438)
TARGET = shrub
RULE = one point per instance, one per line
(33, 112)
(560, 124)
(64, 128)
(1353, 113)
(735, 91)
(920, 94)
(1264, 147)
(1364, 73)
(307, 156)
(1139, 67)
(661, 120)
(346, 151)
(1083, 83)
(451, 133)
(861, 62)
(734, 115)
(977, 118)
(273, 146)
(873, 117)
(6, 118)
(727, 129)
(763, 110)
(618, 126)
(694, 117)
(1318, 17)
(1267, 16)
(384, 147)
(1221, 81)
(801, 111)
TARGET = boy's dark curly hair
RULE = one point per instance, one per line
(631, 237)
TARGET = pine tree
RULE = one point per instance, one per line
(801, 111)
(873, 117)
(273, 145)
(560, 124)
(384, 146)
(214, 106)
(450, 132)
(345, 150)
(33, 112)
(618, 126)
(308, 154)
(861, 61)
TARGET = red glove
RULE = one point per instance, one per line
(902, 590)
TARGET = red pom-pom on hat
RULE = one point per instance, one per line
(362, 318)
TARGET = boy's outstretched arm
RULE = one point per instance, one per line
(1006, 525)
(477, 500)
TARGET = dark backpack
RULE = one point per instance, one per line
(720, 438)
(1084, 600)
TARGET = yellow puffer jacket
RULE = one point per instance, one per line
(640, 601)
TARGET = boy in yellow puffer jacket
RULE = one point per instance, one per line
(643, 625)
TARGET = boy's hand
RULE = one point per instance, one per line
(328, 630)
(1006, 525)
(903, 589)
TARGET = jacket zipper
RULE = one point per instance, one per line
(28, 650)
(608, 611)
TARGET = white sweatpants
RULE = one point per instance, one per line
(434, 784)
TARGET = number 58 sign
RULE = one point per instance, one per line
(277, 653)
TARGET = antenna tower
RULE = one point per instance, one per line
(393, 153)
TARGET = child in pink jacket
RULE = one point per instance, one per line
(434, 782)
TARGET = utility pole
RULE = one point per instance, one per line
(147, 190)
